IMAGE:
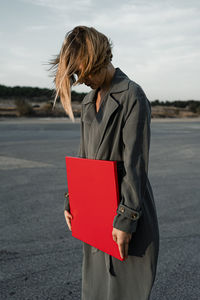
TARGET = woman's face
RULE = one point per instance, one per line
(94, 80)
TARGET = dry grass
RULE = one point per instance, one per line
(44, 109)
(172, 112)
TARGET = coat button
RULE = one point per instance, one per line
(134, 215)
(122, 209)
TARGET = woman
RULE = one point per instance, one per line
(115, 125)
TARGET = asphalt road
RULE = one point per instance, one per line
(38, 257)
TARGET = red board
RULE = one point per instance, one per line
(93, 198)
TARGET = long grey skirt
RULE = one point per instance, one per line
(107, 278)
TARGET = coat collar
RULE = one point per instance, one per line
(119, 84)
(99, 121)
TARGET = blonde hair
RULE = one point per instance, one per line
(83, 46)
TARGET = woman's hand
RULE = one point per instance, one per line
(68, 218)
(122, 239)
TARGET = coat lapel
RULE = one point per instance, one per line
(89, 111)
(108, 107)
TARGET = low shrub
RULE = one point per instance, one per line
(47, 107)
(23, 107)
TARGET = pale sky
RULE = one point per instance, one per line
(156, 43)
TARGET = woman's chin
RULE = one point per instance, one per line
(92, 86)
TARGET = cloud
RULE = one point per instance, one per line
(33, 28)
(20, 51)
(155, 42)
(62, 5)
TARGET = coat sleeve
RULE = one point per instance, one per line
(80, 153)
(136, 141)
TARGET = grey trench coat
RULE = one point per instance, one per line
(120, 131)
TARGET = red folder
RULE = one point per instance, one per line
(93, 198)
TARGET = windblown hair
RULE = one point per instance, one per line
(83, 46)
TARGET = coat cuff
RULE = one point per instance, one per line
(126, 219)
(66, 203)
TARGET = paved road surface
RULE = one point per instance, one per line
(38, 257)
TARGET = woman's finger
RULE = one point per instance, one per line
(67, 213)
(114, 238)
(121, 249)
(69, 223)
(68, 218)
